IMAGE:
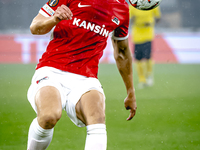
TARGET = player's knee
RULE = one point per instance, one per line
(98, 116)
(49, 120)
(95, 118)
(49, 107)
(91, 108)
(101, 118)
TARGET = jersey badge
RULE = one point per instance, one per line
(115, 20)
(53, 3)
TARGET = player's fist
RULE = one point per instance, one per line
(63, 13)
(130, 104)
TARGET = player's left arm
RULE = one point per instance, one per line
(123, 59)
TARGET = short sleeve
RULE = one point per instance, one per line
(121, 32)
(157, 12)
(49, 8)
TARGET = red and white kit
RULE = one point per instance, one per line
(72, 49)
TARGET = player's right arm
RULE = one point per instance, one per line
(42, 25)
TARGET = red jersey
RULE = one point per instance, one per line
(78, 44)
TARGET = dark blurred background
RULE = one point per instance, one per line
(177, 15)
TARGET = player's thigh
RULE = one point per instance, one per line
(90, 109)
(49, 105)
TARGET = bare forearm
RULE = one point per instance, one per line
(124, 63)
(42, 25)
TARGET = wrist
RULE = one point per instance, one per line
(131, 92)
(56, 20)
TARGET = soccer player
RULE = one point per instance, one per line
(66, 75)
(143, 23)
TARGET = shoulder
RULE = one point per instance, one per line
(135, 11)
(157, 9)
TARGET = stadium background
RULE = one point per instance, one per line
(168, 113)
(177, 34)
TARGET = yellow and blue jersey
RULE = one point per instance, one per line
(143, 26)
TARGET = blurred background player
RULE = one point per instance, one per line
(142, 25)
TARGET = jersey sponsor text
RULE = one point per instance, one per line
(91, 26)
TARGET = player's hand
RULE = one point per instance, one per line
(130, 104)
(63, 13)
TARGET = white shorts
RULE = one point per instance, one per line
(71, 87)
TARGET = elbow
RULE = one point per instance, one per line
(36, 30)
(33, 30)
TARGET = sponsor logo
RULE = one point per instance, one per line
(45, 78)
(53, 3)
(79, 5)
(115, 20)
(91, 26)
